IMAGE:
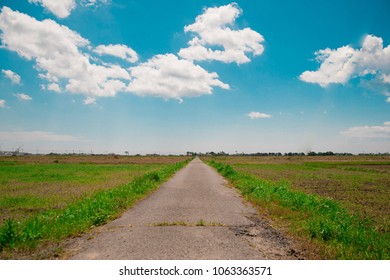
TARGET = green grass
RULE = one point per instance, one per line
(28, 188)
(361, 187)
(79, 215)
(343, 235)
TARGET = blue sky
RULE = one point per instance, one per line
(176, 76)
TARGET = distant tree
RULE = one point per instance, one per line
(329, 153)
(126, 153)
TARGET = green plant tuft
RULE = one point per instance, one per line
(8, 234)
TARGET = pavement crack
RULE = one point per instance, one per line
(262, 236)
(244, 230)
(200, 223)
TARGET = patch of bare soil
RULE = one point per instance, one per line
(262, 236)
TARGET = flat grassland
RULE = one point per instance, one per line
(33, 184)
(359, 184)
(33, 188)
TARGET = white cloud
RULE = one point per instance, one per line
(57, 51)
(30, 136)
(167, 76)
(45, 40)
(213, 29)
(23, 97)
(388, 96)
(2, 103)
(258, 115)
(63, 8)
(88, 3)
(63, 57)
(121, 51)
(54, 87)
(90, 101)
(340, 65)
(337, 67)
(386, 78)
(368, 131)
(15, 78)
(60, 8)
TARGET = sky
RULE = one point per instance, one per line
(167, 77)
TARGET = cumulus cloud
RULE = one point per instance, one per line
(61, 9)
(23, 97)
(15, 78)
(214, 29)
(258, 115)
(121, 51)
(2, 103)
(31, 136)
(387, 94)
(338, 66)
(368, 131)
(63, 57)
(90, 101)
(88, 3)
(168, 77)
(58, 53)
(386, 79)
(54, 87)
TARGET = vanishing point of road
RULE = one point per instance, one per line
(195, 215)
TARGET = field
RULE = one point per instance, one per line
(337, 207)
(37, 191)
(357, 187)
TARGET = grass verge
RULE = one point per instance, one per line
(78, 217)
(342, 234)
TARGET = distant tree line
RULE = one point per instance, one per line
(222, 153)
(277, 154)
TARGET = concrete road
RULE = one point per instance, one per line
(192, 216)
